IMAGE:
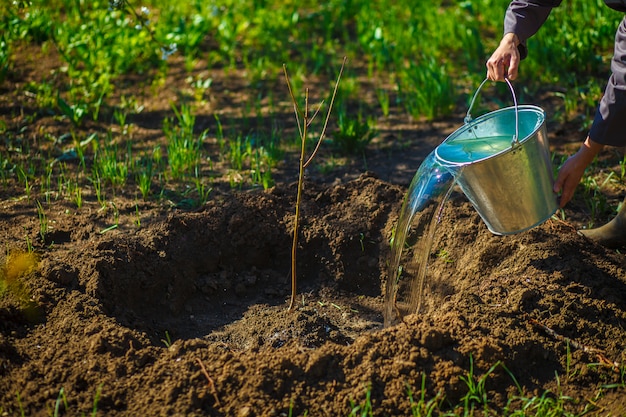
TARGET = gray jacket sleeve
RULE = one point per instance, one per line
(525, 17)
(609, 125)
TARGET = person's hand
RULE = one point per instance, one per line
(505, 60)
(572, 170)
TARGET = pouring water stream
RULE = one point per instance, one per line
(485, 143)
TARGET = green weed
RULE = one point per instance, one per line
(183, 149)
(28, 186)
(476, 390)
(61, 400)
(202, 189)
(426, 89)
(594, 198)
(167, 341)
(143, 179)
(137, 216)
(383, 101)
(548, 404)
(365, 409)
(112, 164)
(43, 222)
(62, 405)
(97, 186)
(444, 255)
(5, 53)
(353, 133)
(424, 407)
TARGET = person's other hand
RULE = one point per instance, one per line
(505, 60)
(572, 170)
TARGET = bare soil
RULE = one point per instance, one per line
(184, 312)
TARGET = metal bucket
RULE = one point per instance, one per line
(502, 162)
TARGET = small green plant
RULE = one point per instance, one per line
(61, 400)
(570, 105)
(219, 134)
(29, 245)
(144, 173)
(476, 390)
(96, 400)
(111, 163)
(144, 182)
(568, 361)
(116, 214)
(116, 219)
(74, 112)
(594, 198)
(444, 255)
(97, 185)
(423, 407)
(80, 146)
(43, 222)
(238, 152)
(383, 100)
(622, 166)
(329, 164)
(4, 57)
(548, 404)
(365, 409)
(167, 341)
(120, 117)
(353, 134)
(19, 404)
(108, 229)
(27, 184)
(202, 189)
(200, 86)
(75, 193)
(183, 150)
(261, 167)
(137, 216)
(255, 154)
(47, 183)
(304, 119)
(44, 93)
(62, 405)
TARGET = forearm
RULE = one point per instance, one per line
(510, 37)
(588, 151)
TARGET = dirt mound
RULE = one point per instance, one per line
(187, 314)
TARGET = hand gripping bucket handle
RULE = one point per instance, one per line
(468, 117)
(511, 185)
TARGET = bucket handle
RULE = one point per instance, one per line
(468, 117)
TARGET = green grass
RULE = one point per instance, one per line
(419, 57)
(476, 400)
(62, 406)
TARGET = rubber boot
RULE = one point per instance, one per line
(613, 234)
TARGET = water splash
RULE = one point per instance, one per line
(421, 211)
(419, 215)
